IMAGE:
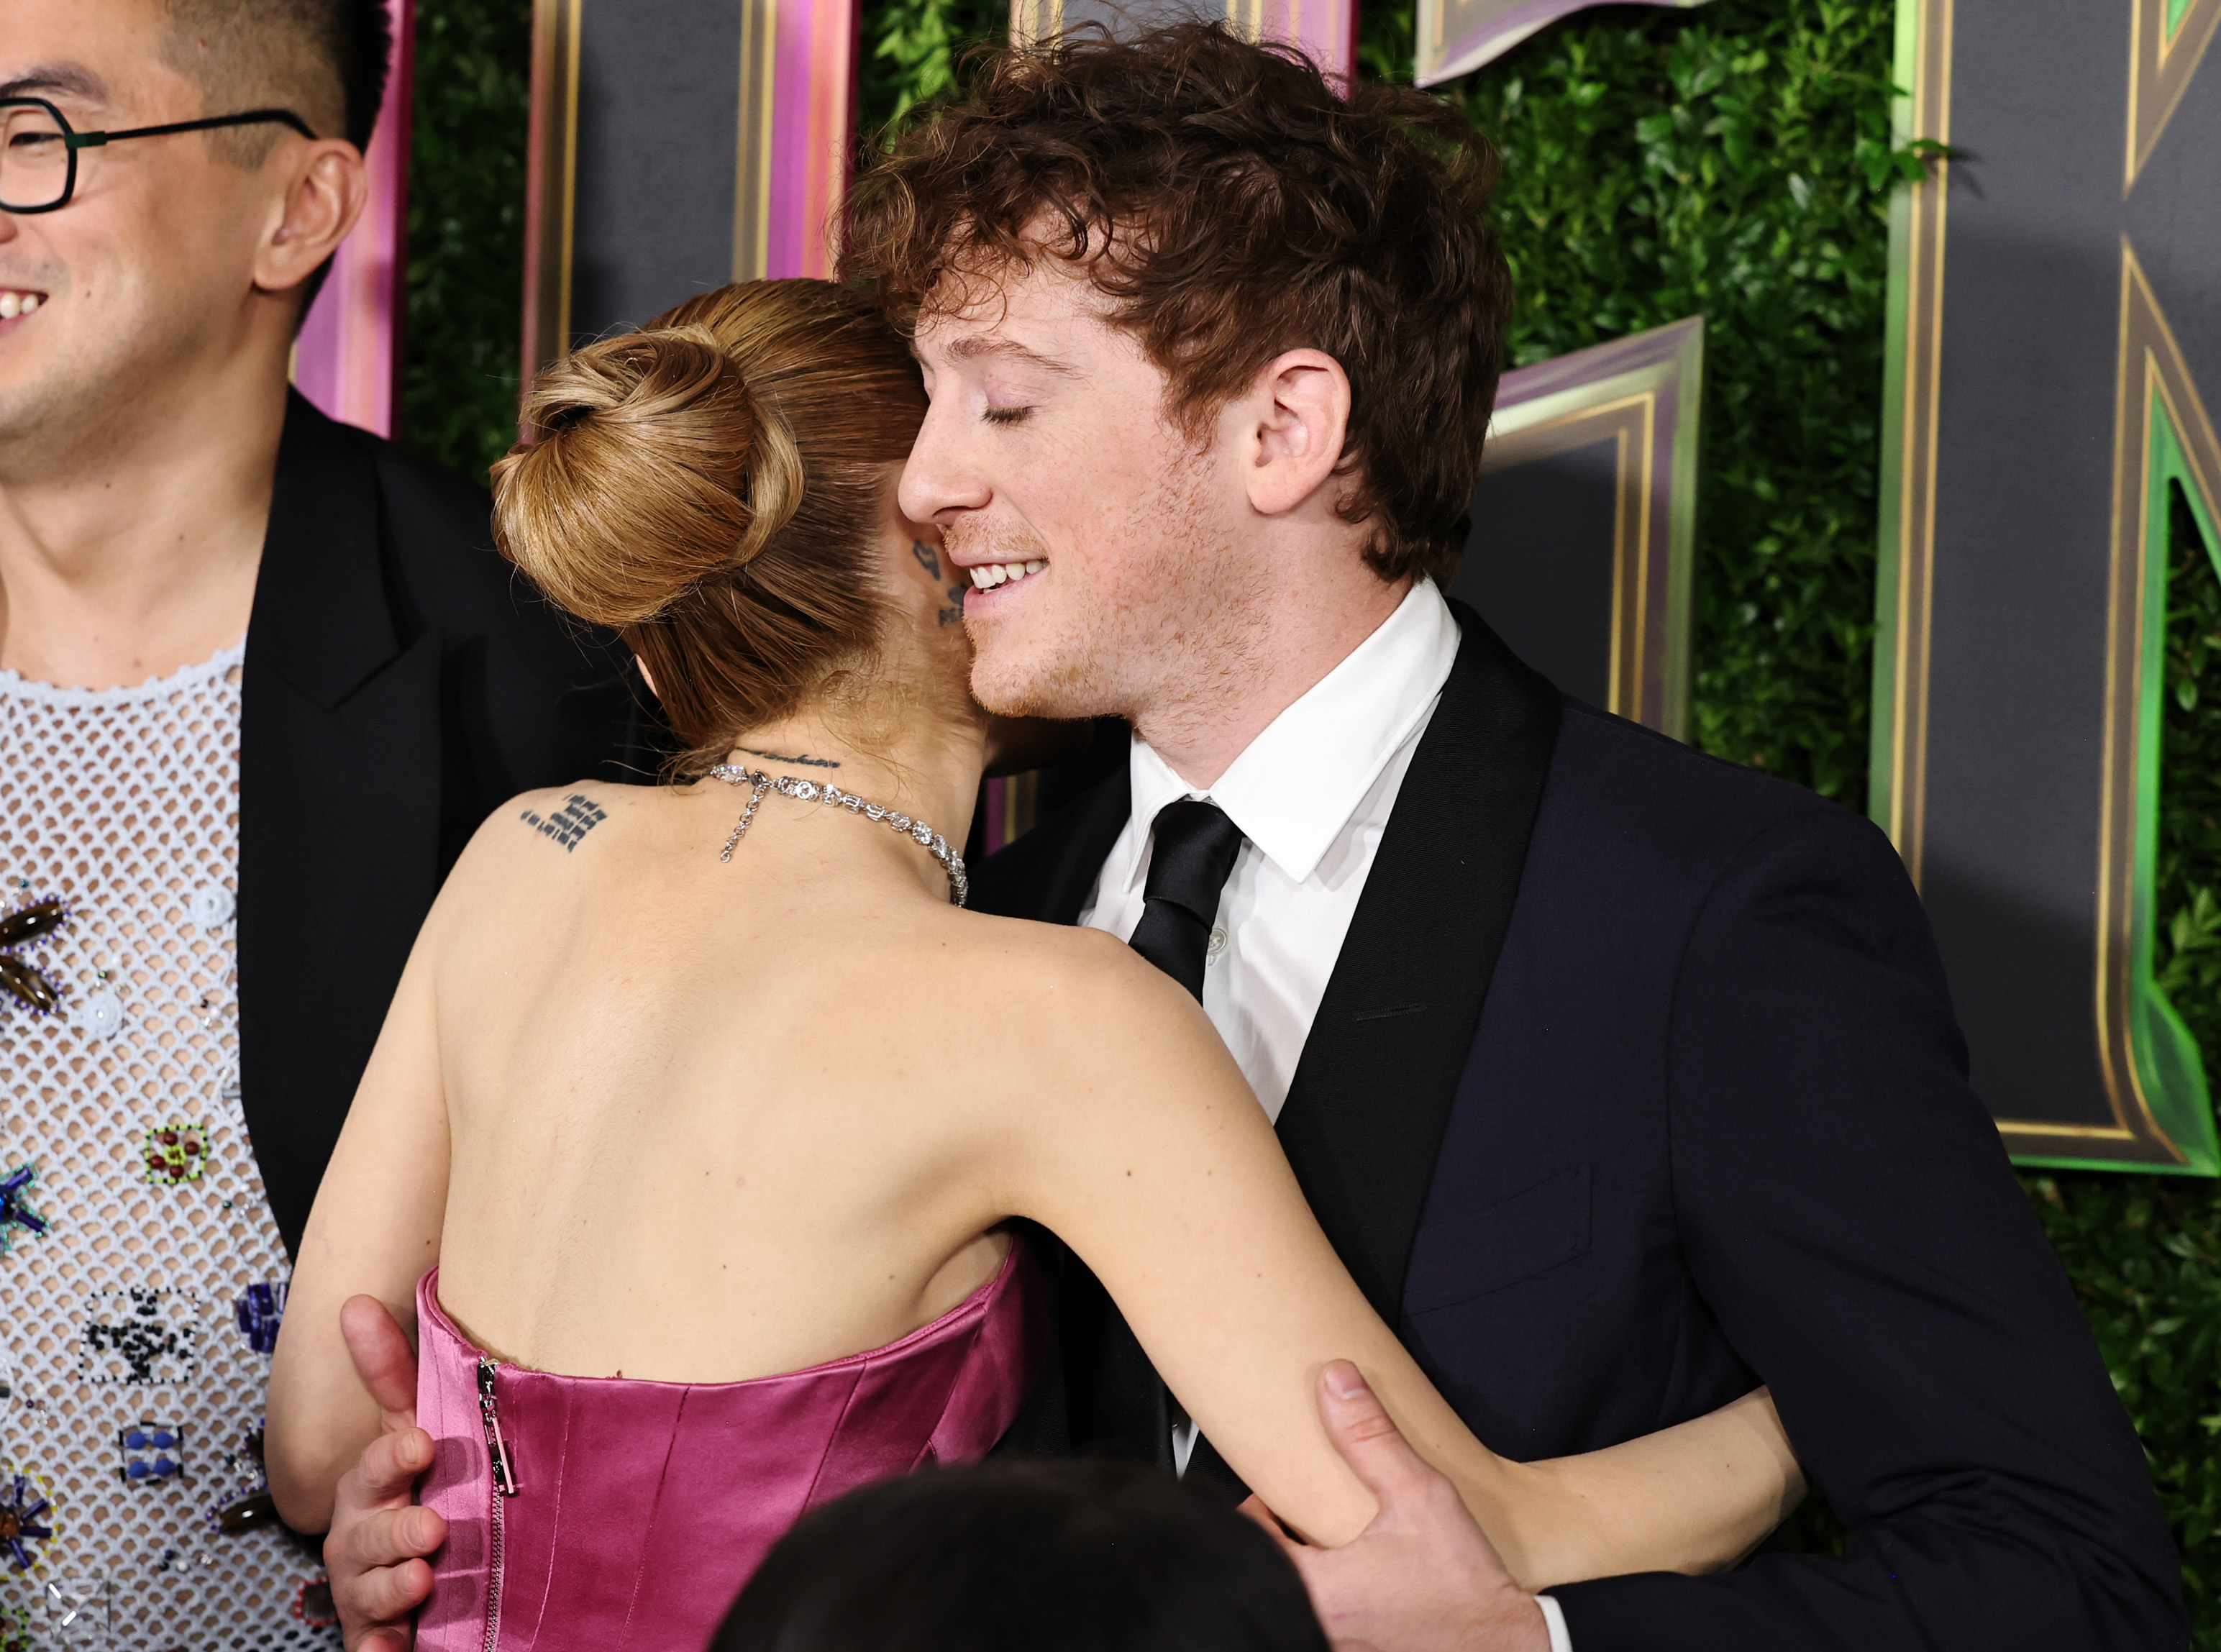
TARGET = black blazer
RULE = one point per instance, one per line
(1636, 1085)
(398, 686)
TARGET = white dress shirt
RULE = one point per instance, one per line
(1311, 795)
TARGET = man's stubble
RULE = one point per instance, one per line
(1161, 632)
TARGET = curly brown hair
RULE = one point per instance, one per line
(1231, 204)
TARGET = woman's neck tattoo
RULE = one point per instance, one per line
(782, 757)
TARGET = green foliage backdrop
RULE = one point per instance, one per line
(465, 323)
(1732, 161)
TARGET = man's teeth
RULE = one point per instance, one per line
(13, 304)
(988, 575)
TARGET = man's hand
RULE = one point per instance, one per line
(1424, 1576)
(374, 1553)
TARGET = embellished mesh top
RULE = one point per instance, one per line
(142, 1274)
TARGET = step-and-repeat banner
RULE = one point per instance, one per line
(2054, 351)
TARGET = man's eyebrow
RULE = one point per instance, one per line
(68, 78)
(976, 344)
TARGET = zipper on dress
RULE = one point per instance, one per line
(504, 1487)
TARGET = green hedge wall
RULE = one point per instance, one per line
(464, 329)
(1734, 161)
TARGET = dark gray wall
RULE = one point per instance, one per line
(2031, 318)
(1538, 564)
(658, 93)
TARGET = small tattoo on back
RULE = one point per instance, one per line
(578, 815)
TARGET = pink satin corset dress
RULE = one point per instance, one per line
(638, 1509)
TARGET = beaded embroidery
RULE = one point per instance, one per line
(175, 1153)
(22, 1509)
(259, 1313)
(151, 1453)
(27, 927)
(15, 1206)
(143, 1279)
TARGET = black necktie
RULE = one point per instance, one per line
(1194, 850)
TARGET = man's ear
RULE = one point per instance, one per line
(326, 188)
(1298, 413)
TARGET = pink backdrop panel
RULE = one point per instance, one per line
(347, 360)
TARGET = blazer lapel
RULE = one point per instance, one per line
(340, 790)
(320, 617)
(1371, 1094)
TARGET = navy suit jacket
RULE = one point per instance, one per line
(1636, 1085)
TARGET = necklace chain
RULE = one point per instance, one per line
(833, 797)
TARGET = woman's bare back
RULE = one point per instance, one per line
(713, 1121)
(659, 1116)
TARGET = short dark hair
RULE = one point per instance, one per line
(1232, 203)
(324, 60)
(1024, 1557)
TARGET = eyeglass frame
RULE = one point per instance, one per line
(73, 139)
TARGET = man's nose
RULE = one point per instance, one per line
(940, 474)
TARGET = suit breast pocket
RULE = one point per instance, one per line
(1464, 1254)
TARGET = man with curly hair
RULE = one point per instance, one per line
(1624, 1080)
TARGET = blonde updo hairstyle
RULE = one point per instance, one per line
(710, 488)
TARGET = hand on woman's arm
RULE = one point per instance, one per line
(1422, 1577)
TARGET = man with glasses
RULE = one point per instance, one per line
(260, 679)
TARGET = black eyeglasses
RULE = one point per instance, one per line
(38, 149)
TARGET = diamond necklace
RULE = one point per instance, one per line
(833, 798)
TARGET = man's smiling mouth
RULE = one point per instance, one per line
(17, 301)
(988, 575)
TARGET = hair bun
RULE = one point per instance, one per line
(651, 466)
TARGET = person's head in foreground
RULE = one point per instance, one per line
(1024, 1557)
(160, 274)
(1211, 348)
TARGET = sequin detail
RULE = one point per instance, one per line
(22, 1521)
(312, 1602)
(22, 928)
(259, 1313)
(124, 802)
(16, 1211)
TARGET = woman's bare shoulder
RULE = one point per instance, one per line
(1052, 962)
(1071, 999)
(541, 839)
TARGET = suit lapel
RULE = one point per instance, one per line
(1371, 1094)
(320, 617)
(341, 756)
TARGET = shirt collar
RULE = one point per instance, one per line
(1296, 786)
